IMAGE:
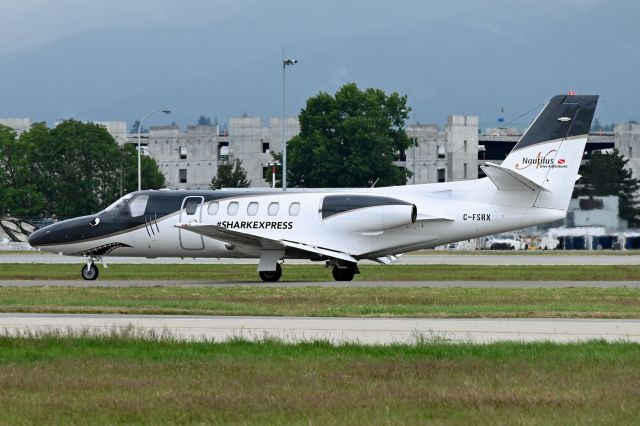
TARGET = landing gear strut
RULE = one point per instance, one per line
(344, 271)
(90, 271)
(271, 276)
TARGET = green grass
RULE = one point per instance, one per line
(331, 302)
(235, 272)
(116, 380)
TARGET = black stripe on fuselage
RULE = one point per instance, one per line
(161, 204)
(342, 203)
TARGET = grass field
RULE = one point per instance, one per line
(332, 301)
(235, 272)
(61, 380)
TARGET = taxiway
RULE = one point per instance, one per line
(334, 330)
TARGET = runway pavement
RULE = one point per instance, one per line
(335, 330)
(537, 258)
(356, 283)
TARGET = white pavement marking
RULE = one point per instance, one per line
(335, 330)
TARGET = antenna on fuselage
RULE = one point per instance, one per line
(374, 183)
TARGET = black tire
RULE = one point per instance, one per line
(344, 274)
(271, 276)
(91, 273)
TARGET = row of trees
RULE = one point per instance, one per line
(71, 170)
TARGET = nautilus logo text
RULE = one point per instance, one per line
(540, 161)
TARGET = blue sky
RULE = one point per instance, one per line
(116, 60)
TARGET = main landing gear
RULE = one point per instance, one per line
(344, 271)
(341, 270)
(271, 276)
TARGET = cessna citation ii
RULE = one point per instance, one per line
(533, 185)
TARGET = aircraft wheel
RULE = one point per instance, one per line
(271, 276)
(90, 273)
(344, 274)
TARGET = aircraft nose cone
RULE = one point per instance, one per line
(38, 238)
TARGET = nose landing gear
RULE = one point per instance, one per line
(90, 271)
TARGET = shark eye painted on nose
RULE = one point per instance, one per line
(95, 222)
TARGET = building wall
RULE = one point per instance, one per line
(429, 156)
(18, 124)
(627, 141)
(253, 143)
(462, 147)
(599, 211)
(117, 129)
(195, 150)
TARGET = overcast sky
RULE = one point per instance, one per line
(117, 59)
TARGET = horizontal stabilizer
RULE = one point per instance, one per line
(508, 180)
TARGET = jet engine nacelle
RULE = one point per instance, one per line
(373, 219)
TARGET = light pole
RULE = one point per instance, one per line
(285, 62)
(274, 167)
(166, 111)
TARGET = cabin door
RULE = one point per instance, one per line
(191, 211)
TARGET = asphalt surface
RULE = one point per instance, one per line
(335, 330)
(284, 284)
(538, 258)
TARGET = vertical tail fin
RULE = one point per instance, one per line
(550, 151)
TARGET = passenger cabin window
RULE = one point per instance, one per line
(232, 208)
(252, 208)
(273, 209)
(138, 205)
(192, 207)
(213, 208)
(294, 209)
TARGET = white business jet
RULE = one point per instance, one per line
(533, 185)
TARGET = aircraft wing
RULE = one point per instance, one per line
(254, 242)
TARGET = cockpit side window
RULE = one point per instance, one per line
(138, 205)
(117, 205)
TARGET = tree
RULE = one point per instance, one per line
(19, 195)
(204, 121)
(349, 140)
(230, 175)
(606, 174)
(74, 169)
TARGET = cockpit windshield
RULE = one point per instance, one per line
(117, 205)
